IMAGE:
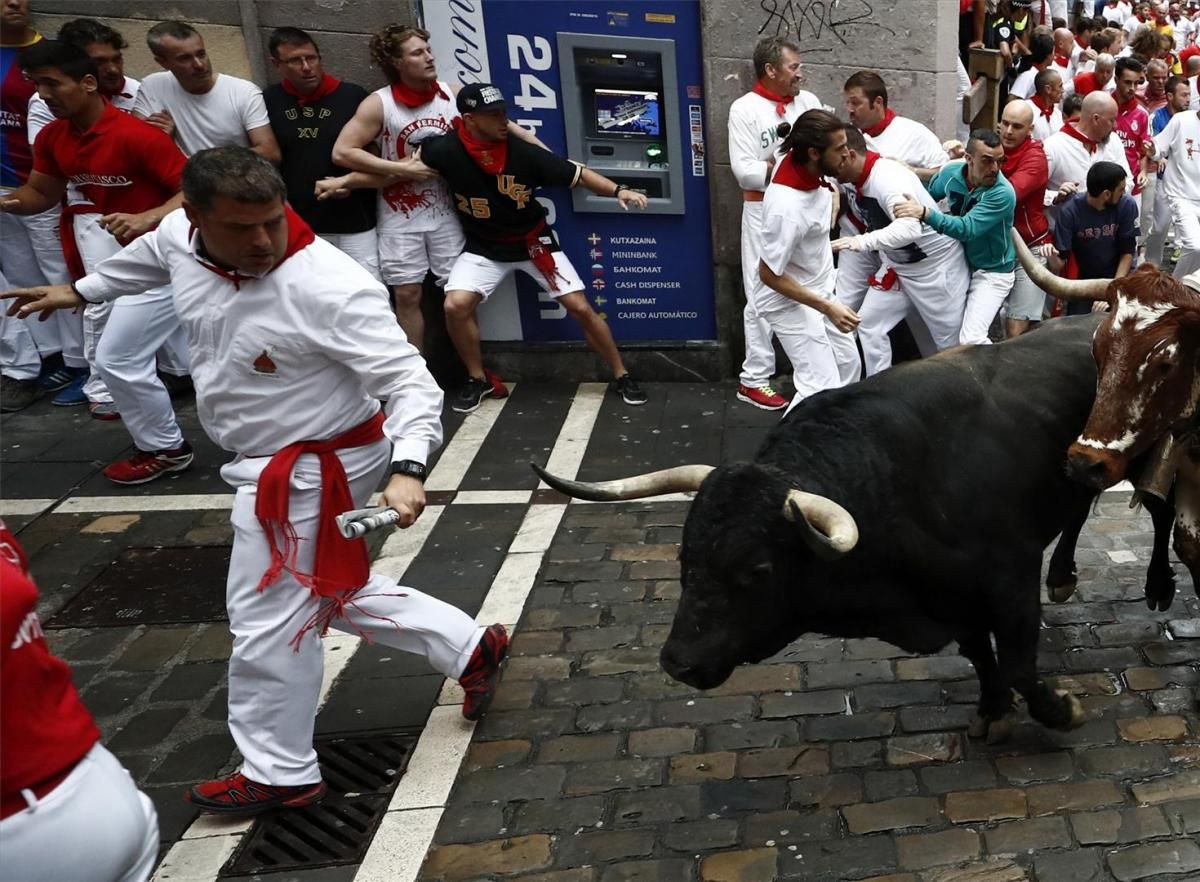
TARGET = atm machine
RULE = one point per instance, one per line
(619, 95)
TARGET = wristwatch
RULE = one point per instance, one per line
(410, 467)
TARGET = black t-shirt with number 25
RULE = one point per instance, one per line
(498, 211)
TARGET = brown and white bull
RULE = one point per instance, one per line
(1147, 352)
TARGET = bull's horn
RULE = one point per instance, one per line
(833, 532)
(677, 480)
(1064, 289)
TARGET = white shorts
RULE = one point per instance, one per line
(473, 272)
(405, 258)
(363, 247)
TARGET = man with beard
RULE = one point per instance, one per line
(982, 204)
(755, 122)
(797, 261)
(1098, 229)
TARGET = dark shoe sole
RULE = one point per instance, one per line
(246, 810)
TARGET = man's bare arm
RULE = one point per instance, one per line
(40, 193)
(350, 151)
(262, 142)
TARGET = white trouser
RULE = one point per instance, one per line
(938, 290)
(121, 340)
(363, 247)
(1186, 215)
(23, 343)
(822, 357)
(854, 271)
(1159, 226)
(95, 825)
(1146, 208)
(986, 295)
(759, 364)
(44, 237)
(273, 689)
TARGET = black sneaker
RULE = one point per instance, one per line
(471, 395)
(629, 390)
(17, 394)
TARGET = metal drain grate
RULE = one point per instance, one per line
(361, 774)
(152, 586)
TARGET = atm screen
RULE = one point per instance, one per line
(621, 112)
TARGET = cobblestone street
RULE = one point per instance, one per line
(835, 760)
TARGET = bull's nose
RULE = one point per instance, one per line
(1092, 468)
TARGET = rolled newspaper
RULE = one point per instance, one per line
(356, 524)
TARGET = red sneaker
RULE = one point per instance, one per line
(483, 672)
(238, 795)
(499, 390)
(764, 397)
(143, 466)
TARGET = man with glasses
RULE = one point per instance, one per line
(308, 109)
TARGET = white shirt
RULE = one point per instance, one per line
(303, 352)
(414, 206)
(905, 240)
(1183, 32)
(1118, 14)
(220, 117)
(1132, 24)
(1069, 160)
(1179, 145)
(795, 240)
(907, 141)
(1043, 128)
(1022, 87)
(754, 134)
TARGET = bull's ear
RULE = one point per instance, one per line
(824, 526)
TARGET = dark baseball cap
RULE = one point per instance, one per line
(476, 97)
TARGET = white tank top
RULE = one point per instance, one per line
(414, 206)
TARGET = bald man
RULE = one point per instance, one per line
(1026, 170)
(1075, 148)
(1064, 45)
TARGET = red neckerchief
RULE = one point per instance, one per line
(340, 566)
(328, 84)
(1079, 136)
(1129, 105)
(1062, 60)
(868, 164)
(793, 174)
(781, 101)
(1047, 112)
(300, 236)
(1079, 42)
(1011, 159)
(416, 97)
(876, 130)
(488, 155)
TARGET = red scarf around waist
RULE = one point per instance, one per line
(340, 565)
(541, 256)
(876, 130)
(410, 97)
(66, 233)
(488, 155)
(328, 85)
(781, 101)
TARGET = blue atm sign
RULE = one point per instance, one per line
(650, 276)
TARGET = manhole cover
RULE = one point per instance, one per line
(361, 774)
(153, 586)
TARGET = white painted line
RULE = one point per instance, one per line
(435, 761)
(399, 846)
(196, 860)
(460, 452)
(538, 529)
(207, 826)
(576, 429)
(1122, 556)
(492, 497)
(169, 502)
(15, 508)
(402, 547)
(510, 589)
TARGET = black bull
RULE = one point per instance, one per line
(931, 492)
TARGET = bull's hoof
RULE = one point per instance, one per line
(1061, 592)
(995, 730)
(1159, 601)
(1075, 716)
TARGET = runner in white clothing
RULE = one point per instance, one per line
(1074, 149)
(1046, 104)
(1179, 145)
(294, 346)
(797, 296)
(758, 121)
(930, 268)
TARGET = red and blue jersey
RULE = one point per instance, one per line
(16, 156)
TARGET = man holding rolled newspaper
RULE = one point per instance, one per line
(293, 345)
